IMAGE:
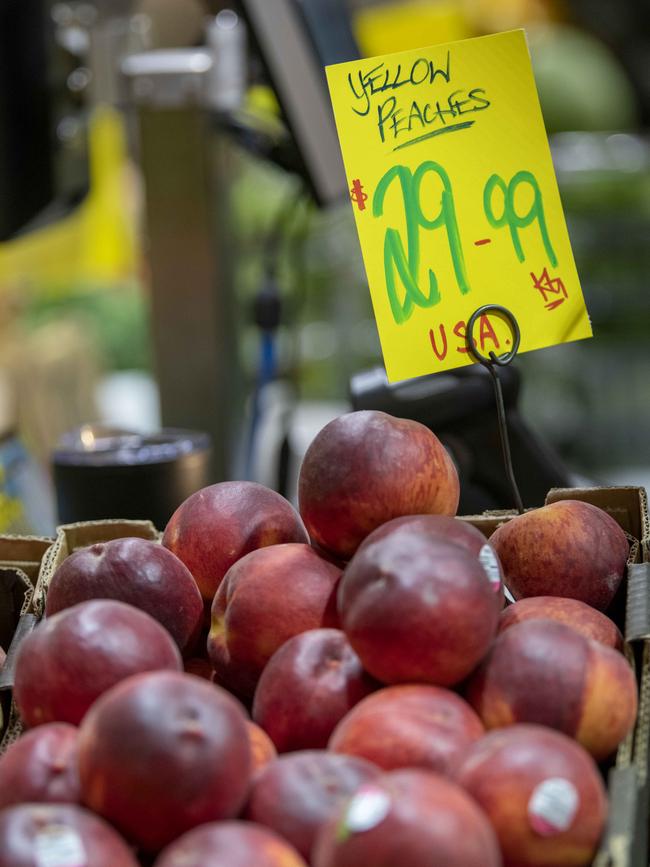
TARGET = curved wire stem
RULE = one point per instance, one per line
(489, 363)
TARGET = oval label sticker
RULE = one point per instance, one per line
(553, 806)
(367, 809)
(490, 564)
(59, 846)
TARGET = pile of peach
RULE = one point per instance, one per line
(417, 721)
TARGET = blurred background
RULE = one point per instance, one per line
(177, 247)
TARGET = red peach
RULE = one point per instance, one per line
(367, 467)
(413, 818)
(542, 793)
(296, 794)
(137, 571)
(73, 657)
(407, 727)
(263, 751)
(230, 844)
(161, 753)
(417, 609)
(265, 599)
(41, 766)
(583, 618)
(541, 671)
(35, 835)
(454, 530)
(219, 524)
(308, 685)
(568, 548)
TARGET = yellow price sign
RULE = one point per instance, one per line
(456, 201)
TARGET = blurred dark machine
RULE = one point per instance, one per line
(459, 407)
(295, 40)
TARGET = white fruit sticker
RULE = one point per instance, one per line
(490, 564)
(58, 846)
(367, 809)
(553, 806)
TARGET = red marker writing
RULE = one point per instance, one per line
(357, 195)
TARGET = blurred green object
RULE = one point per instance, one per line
(117, 319)
(604, 174)
(581, 84)
(596, 392)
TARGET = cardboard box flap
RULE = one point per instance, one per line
(24, 553)
(26, 624)
(86, 533)
(623, 823)
(13, 729)
(637, 613)
(16, 592)
(642, 737)
(489, 521)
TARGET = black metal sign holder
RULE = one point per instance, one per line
(490, 362)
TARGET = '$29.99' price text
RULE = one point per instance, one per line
(402, 256)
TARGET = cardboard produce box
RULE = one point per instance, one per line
(625, 843)
(625, 840)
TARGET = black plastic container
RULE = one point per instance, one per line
(102, 473)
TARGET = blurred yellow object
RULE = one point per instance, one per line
(11, 509)
(97, 243)
(261, 99)
(493, 16)
(411, 24)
